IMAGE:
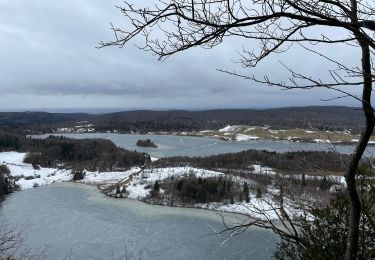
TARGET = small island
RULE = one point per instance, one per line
(146, 143)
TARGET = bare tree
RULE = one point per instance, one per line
(12, 243)
(11, 239)
(169, 27)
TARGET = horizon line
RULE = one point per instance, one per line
(104, 110)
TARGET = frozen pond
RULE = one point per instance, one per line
(77, 218)
(171, 145)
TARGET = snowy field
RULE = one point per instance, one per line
(243, 133)
(28, 177)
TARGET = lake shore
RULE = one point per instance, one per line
(245, 133)
(133, 184)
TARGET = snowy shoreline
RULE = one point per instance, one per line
(243, 133)
(136, 180)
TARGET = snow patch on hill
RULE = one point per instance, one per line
(229, 128)
(245, 138)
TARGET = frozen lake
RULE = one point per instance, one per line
(77, 218)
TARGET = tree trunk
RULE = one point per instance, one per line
(350, 175)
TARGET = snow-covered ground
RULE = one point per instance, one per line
(229, 128)
(138, 183)
(263, 170)
(273, 131)
(260, 208)
(81, 127)
(27, 175)
(139, 188)
(244, 133)
(321, 141)
(263, 208)
(107, 177)
(136, 188)
(244, 138)
(207, 131)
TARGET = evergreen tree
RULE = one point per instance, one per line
(156, 186)
(331, 223)
(259, 193)
(246, 192)
(155, 189)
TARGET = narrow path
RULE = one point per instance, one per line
(122, 182)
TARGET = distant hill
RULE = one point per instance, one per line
(38, 121)
(329, 118)
(323, 118)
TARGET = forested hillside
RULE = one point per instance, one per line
(289, 162)
(322, 118)
(39, 121)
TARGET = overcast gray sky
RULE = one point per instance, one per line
(49, 60)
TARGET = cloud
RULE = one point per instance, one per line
(49, 60)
